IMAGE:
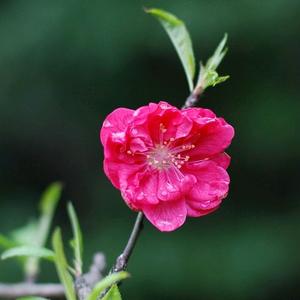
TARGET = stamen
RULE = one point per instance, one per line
(165, 155)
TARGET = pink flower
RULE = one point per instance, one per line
(168, 163)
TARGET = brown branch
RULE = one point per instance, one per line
(122, 260)
(193, 98)
(13, 291)
(85, 283)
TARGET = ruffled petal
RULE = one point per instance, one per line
(115, 124)
(141, 188)
(191, 212)
(222, 160)
(209, 191)
(120, 173)
(166, 216)
(211, 139)
(199, 115)
(167, 122)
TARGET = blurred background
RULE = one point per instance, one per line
(64, 65)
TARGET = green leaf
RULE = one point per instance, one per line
(212, 78)
(208, 75)
(77, 240)
(25, 235)
(214, 61)
(6, 243)
(32, 298)
(106, 283)
(62, 265)
(47, 205)
(50, 198)
(181, 40)
(113, 294)
(30, 251)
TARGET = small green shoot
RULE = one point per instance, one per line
(62, 265)
(105, 283)
(76, 242)
(208, 75)
(113, 294)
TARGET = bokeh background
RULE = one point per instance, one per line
(64, 65)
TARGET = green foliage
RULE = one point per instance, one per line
(30, 251)
(30, 239)
(39, 234)
(181, 40)
(50, 199)
(106, 283)
(113, 294)
(76, 242)
(6, 243)
(62, 265)
(208, 75)
(32, 298)
(26, 234)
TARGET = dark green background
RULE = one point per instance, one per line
(64, 65)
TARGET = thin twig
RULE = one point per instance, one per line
(122, 260)
(49, 290)
(85, 283)
(193, 98)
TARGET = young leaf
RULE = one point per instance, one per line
(26, 234)
(62, 265)
(6, 243)
(31, 251)
(113, 294)
(48, 204)
(40, 233)
(208, 75)
(214, 61)
(106, 283)
(50, 198)
(181, 40)
(77, 240)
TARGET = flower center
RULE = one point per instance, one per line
(165, 155)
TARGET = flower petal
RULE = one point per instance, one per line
(166, 216)
(212, 138)
(140, 188)
(115, 124)
(222, 160)
(198, 114)
(191, 212)
(119, 173)
(209, 191)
